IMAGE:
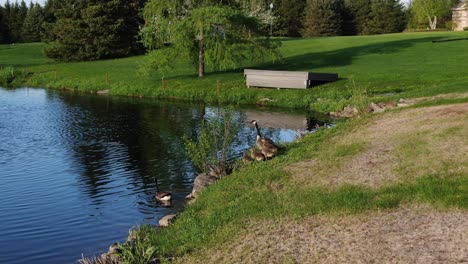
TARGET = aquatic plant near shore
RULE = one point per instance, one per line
(211, 149)
(8, 75)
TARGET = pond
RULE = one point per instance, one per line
(78, 171)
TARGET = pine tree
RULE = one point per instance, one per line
(7, 11)
(358, 16)
(290, 15)
(49, 10)
(323, 18)
(3, 26)
(93, 30)
(386, 16)
(32, 27)
(18, 13)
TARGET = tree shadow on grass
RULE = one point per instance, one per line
(342, 57)
(310, 61)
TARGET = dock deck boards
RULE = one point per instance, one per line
(286, 79)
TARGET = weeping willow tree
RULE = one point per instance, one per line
(217, 34)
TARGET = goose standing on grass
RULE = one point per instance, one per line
(257, 155)
(266, 145)
(246, 158)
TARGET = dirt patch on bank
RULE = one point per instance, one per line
(416, 234)
(399, 146)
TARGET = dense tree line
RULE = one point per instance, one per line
(100, 29)
(12, 22)
(76, 29)
(94, 29)
(353, 17)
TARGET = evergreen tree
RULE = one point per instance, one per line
(358, 15)
(32, 27)
(348, 25)
(68, 31)
(387, 16)
(18, 13)
(323, 18)
(7, 11)
(3, 26)
(93, 30)
(49, 10)
(290, 14)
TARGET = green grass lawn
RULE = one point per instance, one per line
(386, 67)
(372, 68)
(266, 191)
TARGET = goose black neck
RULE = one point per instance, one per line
(258, 130)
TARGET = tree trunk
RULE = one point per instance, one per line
(432, 23)
(201, 57)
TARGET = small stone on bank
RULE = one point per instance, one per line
(114, 249)
(167, 220)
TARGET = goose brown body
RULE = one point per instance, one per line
(246, 158)
(257, 155)
(266, 146)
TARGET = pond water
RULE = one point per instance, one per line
(78, 171)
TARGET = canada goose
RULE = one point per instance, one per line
(246, 159)
(257, 155)
(164, 197)
(266, 145)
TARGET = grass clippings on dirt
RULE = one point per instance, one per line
(411, 234)
(397, 147)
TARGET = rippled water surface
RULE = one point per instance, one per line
(77, 172)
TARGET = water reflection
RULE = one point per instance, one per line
(123, 139)
(126, 146)
(90, 166)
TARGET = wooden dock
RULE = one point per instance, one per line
(286, 79)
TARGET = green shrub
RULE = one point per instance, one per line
(7, 75)
(138, 250)
(449, 25)
(213, 145)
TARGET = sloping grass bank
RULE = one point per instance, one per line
(428, 169)
(384, 67)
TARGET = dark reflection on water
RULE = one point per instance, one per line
(77, 171)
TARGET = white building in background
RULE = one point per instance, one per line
(460, 17)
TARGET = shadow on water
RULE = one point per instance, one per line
(138, 143)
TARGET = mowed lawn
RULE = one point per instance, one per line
(379, 167)
(386, 67)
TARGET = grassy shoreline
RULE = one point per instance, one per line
(278, 190)
(384, 68)
(324, 173)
